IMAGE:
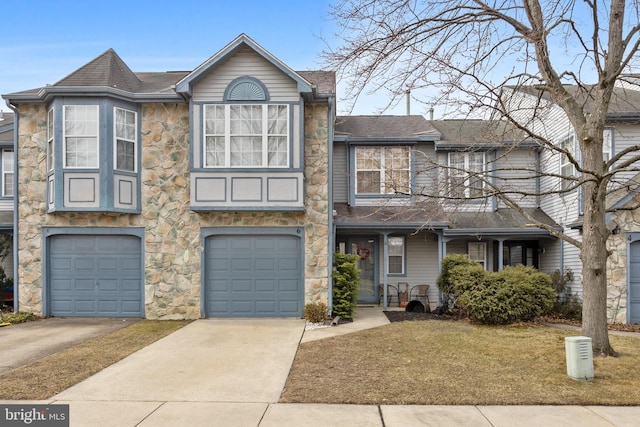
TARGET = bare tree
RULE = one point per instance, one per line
(465, 53)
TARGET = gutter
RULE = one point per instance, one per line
(330, 224)
(16, 170)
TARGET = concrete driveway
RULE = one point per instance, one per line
(28, 342)
(209, 360)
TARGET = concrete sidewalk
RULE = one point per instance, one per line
(216, 372)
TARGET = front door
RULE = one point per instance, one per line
(365, 248)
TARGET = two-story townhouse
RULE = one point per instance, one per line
(408, 191)
(169, 195)
(7, 183)
(565, 204)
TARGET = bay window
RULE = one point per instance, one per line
(383, 170)
(125, 139)
(246, 135)
(80, 136)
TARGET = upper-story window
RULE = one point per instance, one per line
(465, 174)
(567, 168)
(246, 135)
(7, 172)
(50, 139)
(125, 139)
(383, 170)
(80, 136)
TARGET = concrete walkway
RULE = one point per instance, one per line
(231, 372)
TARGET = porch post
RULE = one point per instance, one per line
(500, 254)
(442, 252)
(385, 268)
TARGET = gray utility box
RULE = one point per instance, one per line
(579, 358)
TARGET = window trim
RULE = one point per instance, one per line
(65, 136)
(116, 139)
(403, 262)
(265, 136)
(51, 152)
(464, 174)
(382, 170)
(482, 262)
(10, 155)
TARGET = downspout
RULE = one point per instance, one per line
(16, 292)
(331, 225)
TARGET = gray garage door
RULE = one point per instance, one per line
(634, 283)
(253, 276)
(95, 276)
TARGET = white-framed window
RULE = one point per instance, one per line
(607, 144)
(246, 135)
(125, 140)
(465, 174)
(50, 139)
(383, 170)
(7, 172)
(477, 251)
(395, 253)
(80, 136)
(567, 168)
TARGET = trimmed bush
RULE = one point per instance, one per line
(315, 312)
(511, 295)
(346, 281)
(444, 280)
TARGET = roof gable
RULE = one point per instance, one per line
(185, 84)
(107, 70)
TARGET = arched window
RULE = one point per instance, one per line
(246, 89)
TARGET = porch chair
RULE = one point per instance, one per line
(420, 292)
(391, 292)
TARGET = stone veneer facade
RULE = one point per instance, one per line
(617, 280)
(172, 242)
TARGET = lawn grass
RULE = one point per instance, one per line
(456, 363)
(57, 372)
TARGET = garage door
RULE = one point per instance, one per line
(253, 276)
(95, 276)
(634, 283)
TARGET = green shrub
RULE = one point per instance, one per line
(346, 281)
(571, 308)
(511, 295)
(315, 312)
(444, 280)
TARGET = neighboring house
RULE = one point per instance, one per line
(175, 194)
(7, 188)
(622, 132)
(402, 201)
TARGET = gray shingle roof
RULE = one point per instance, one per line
(6, 127)
(107, 69)
(501, 219)
(380, 127)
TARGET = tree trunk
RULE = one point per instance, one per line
(594, 251)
